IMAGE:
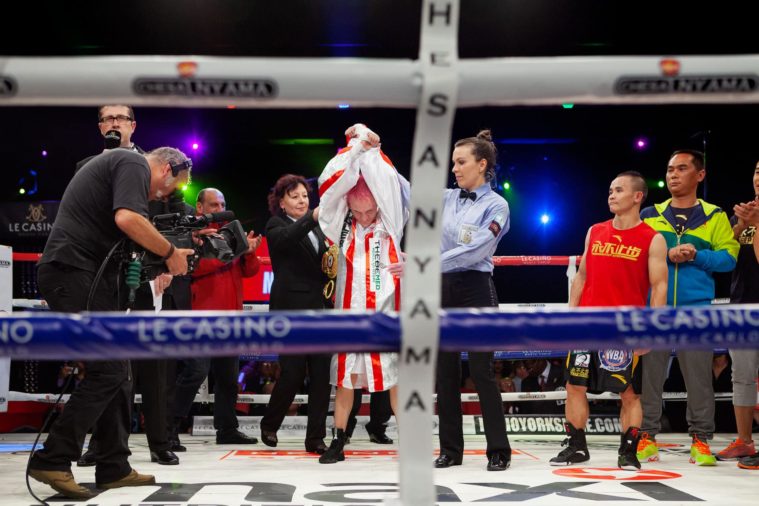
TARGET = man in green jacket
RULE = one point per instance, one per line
(700, 242)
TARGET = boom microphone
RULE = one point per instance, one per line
(217, 217)
(173, 220)
(112, 139)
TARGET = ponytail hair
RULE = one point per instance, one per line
(482, 148)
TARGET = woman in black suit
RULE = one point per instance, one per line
(296, 246)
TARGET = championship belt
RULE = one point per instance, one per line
(329, 267)
(329, 261)
(329, 289)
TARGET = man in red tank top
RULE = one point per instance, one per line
(624, 259)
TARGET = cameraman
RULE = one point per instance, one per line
(216, 285)
(105, 203)
(150, 377)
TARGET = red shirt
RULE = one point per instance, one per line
(616, 266)
(216, 285)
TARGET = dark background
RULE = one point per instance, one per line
(558, 161)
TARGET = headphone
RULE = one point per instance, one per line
(179, 167)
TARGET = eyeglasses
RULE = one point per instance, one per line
(118, 119)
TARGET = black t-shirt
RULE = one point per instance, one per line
(745, 285)
(84, 229)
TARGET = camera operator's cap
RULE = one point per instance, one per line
(179, 167)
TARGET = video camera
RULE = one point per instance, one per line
(226, 244)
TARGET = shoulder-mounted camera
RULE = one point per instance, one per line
(225, 244)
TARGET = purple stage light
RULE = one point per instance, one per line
(641, 143)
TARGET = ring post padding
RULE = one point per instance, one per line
(6, 306)
(421, 290)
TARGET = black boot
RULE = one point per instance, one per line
(334, 453)
(576, 450)
(628, 450)
(378, 437)
(348, 433)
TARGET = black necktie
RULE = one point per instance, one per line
(463, 194)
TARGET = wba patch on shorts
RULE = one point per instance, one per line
(604, 370)
(615, 360)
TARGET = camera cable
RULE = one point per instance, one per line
(100, 272)
(66, 385)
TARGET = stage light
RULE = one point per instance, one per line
(190, 189)
(21, 191)
(506, 185)
(44, 152)
(343, 106)
(567, 106)
(660, 184)
(544, 219)
(195, 146)
(641, 143)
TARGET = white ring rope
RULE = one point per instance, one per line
(556, 395)
(363, 82)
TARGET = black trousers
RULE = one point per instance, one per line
(225, 371)
(380, 412)
(150, 379)
(293, 373)
(155, 380)
(103, 398)
(468, 289)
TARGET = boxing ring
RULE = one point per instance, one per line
(263, 476)
(435, 85)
